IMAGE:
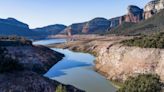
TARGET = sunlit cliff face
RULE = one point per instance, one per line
(155, 6)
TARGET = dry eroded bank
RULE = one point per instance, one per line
(117, 62)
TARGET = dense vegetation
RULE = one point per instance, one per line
(149, 26)
(142, 83)
(7, 64)
(149, 41)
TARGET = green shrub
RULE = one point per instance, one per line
(60, 88)
(142, 83)
(149, 41)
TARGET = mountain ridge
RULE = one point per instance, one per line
(98, 25)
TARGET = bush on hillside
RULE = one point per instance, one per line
(60, 88)
(149, 41)
(142, 83)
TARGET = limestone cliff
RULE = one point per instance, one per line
(119, 62)
(135, 15)
(153, 7)
(96, 25)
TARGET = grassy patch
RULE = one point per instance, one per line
(142, 83)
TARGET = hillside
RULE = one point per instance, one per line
(11, 26)
(151, 25)
(50, 30)
(96, 25)
(22, 66)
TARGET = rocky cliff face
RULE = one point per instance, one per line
(135, 15)
(153, 7)
(101, 25)
(96, 25)
(73, 29)
(119, 62)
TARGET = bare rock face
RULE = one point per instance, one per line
(148, 14)
(119, 62)
(153, 7)
(96, 25)
(73, 29)
(135, 15)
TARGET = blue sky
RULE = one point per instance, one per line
(38, 13)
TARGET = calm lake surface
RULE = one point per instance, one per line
(77, 69)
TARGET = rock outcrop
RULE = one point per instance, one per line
(135, 15)
(153, 7)
(119, 62)
(73, 29)
(97, 25)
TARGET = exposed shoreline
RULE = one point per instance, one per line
(88, 44)
(103, 46)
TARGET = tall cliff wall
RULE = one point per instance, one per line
(153, 7)
(119, 62)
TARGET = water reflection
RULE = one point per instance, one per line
(77, 69)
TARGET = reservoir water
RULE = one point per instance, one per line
(76, 69)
